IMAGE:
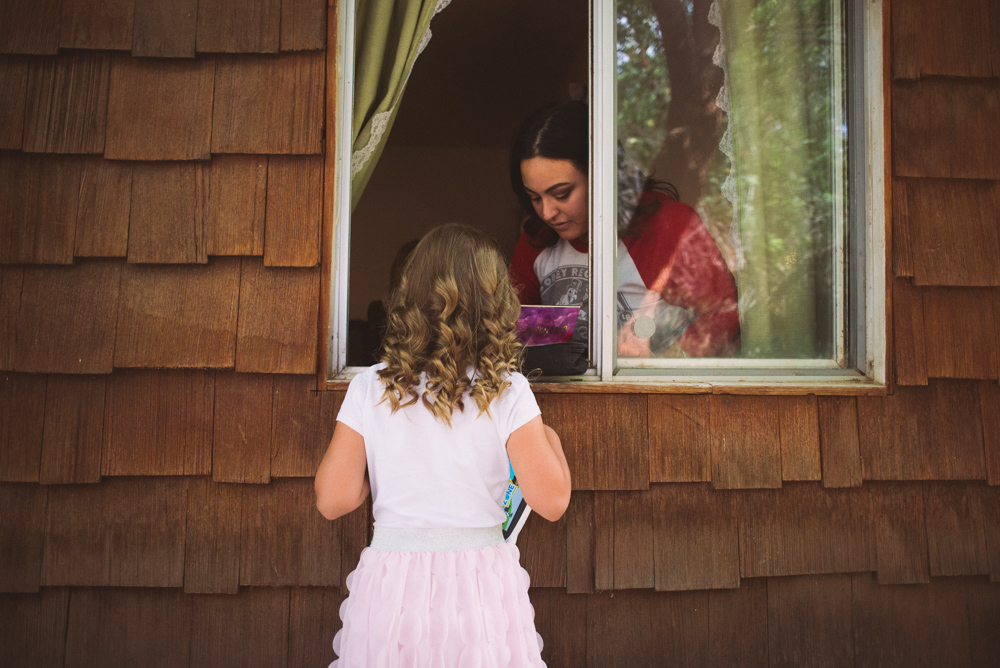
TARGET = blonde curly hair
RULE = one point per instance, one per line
(453, 309)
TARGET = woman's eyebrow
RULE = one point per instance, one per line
(550, 188)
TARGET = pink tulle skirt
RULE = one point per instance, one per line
(462, 607)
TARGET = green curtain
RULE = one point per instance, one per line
(787, 142)
(388, 37)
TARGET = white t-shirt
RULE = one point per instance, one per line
(425, 474)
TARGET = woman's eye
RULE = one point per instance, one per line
(562, 197)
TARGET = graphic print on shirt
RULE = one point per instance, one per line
(569, 285)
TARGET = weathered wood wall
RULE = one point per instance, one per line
(160, 187)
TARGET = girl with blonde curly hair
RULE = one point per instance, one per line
(428, 432)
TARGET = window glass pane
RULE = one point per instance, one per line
(731, 178)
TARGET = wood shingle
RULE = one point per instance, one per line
(580, 543)
(294, 211)
(561, 619)
(14, 84)
(29, 26)
(604, 540)
(237, 204)
(737, 625)
(158, 423)
(989, 395)
(805, 529)
(76, 535)
(923, 44)
(969, 253)
(645, 628)
(39, 196)
(838, 419)
(302, 423)
(178, 315)
(118, 627)
(11, 280)
(249, 629)
(284, 540)
(102, 220)
(679, 438)
(543, 551)
(22, 416)
(269, 104)
(35, 627)
(165, 28)
(960, 314)
(909, 348)
(74, 429)
(923, 433)
(96, 24)
(303, 25)
(168, 213)
(956, 538)
(900, 533)
(746, 448)
(944, 127)
(66, 323)
(902, 253)
(278, 319)
(990, 502)
(225, 26)
(633, 550)
(67, 103)
(604, 436)
(809, 617)
(118, 533)
(313, 620)
(241, 446)
(160, 109)
(909, 626)
(695, 540)
(800, 438)
(22, 527)
(212, 539)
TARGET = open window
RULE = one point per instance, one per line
(737, 225)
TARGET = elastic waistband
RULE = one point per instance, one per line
(435, 540)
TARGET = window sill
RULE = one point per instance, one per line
(844, 383)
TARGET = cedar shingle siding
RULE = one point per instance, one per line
(161, 194)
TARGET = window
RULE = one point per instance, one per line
(759, 126)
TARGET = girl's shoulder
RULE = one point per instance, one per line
(368, 378)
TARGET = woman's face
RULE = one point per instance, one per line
(558, 191)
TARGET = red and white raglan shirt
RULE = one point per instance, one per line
(673, 285)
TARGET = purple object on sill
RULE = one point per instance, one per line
(541, 325)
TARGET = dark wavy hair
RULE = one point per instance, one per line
(561, 131)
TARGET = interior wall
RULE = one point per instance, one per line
(416, 188)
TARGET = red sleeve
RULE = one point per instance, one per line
(677, 257)
(522, 271)
(701, 281)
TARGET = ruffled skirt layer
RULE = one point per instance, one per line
(466, 608)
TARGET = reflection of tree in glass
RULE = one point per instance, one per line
(786, 141)
(668, 120)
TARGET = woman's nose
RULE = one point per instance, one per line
(549, 210)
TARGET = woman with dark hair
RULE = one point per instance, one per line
(675, 295)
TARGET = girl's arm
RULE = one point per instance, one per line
(540, 466)
(342, 479)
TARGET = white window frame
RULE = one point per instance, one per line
(866, 263)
